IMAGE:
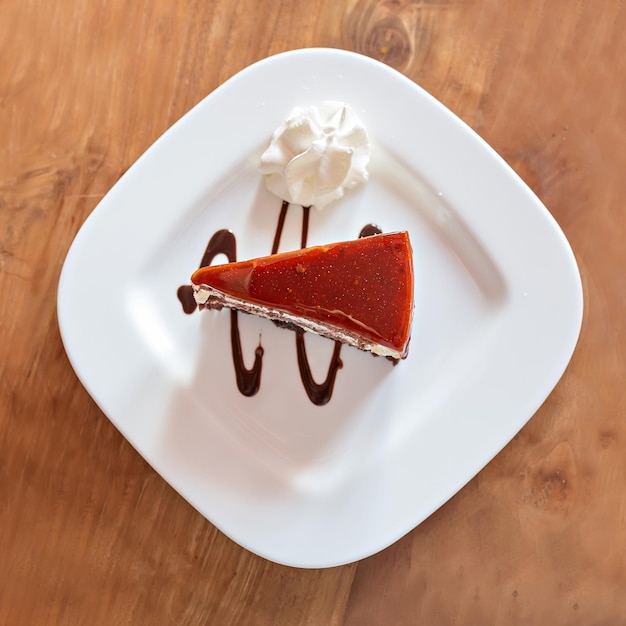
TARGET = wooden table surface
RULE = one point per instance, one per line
(89, 534)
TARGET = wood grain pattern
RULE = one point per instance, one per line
(90, 534)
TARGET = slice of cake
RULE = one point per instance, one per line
(358, 292)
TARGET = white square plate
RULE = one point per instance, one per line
(498, 312)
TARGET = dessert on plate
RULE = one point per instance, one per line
(357, 292)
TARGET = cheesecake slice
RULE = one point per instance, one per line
(357, 292)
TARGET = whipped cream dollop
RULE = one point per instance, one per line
(316, 154)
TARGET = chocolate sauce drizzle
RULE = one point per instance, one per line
(249, 380)
(222, 242)
(368, 230)
(319, 393)
(279, 226)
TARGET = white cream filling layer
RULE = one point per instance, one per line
(205, 295)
